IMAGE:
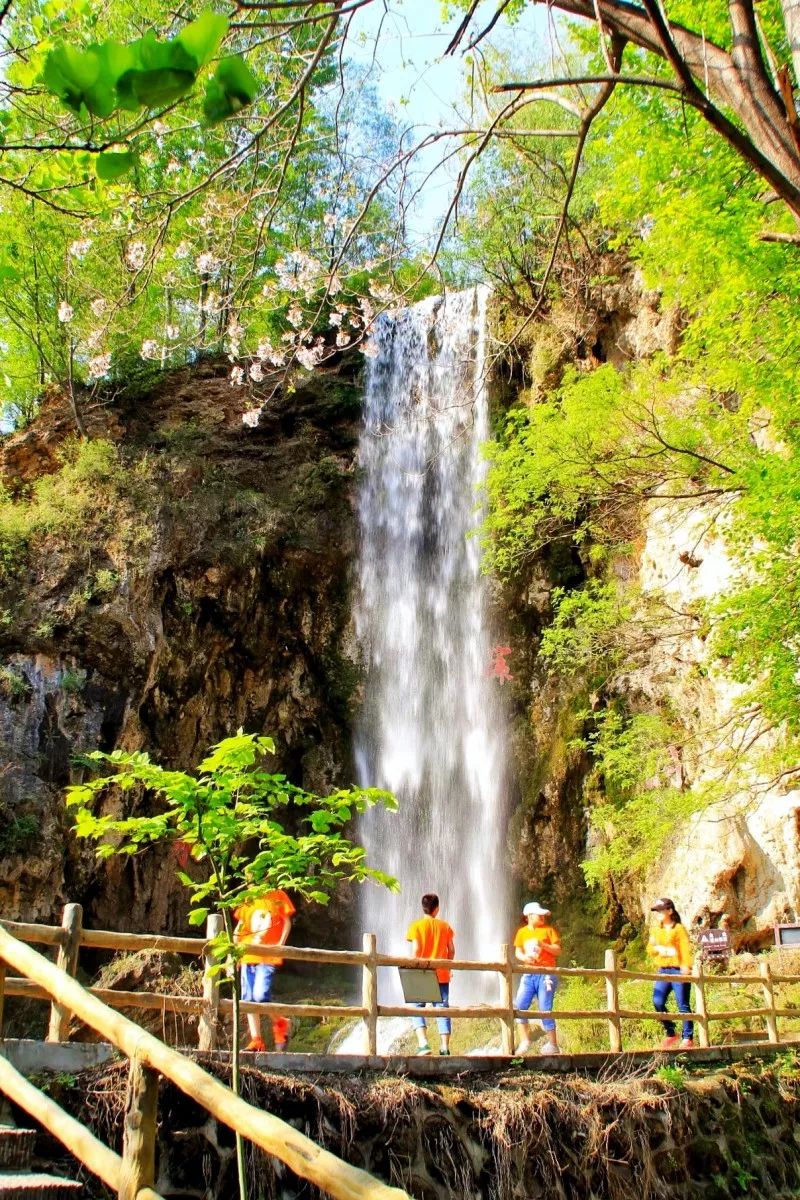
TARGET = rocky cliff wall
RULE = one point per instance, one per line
(203, 588)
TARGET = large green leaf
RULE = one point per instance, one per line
(76, 77)
(162, 85)
(111, 164)
(232, 86)
(203, 37)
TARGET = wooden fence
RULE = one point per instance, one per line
(70, 937)
(132, 1174)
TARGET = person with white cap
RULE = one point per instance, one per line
(537, 945)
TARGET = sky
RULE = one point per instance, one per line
(420, 86)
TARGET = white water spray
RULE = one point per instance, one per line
(431, 729)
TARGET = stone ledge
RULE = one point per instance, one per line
(32, 1058)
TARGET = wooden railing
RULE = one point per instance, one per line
(133, 1174)
(70, 937)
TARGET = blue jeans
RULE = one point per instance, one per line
(541, 988)
(444, 1023)
(257, 982)
(661, 991)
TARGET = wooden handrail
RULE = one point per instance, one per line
(211, 1006)
(80, 1141)
(301, 1154)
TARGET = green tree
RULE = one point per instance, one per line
(234, 816)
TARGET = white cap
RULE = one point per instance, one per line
(535, 910)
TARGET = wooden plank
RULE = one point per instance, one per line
(273, 1009)
(369, 993)
(769, 1000)
(635, 1014)
(208, 1027)
(139, 1131)
(507, 987)
(590, 1014)
(17, 986)
(157, 1001)
(44, 935)
(2, 995)
(66, 960)
(700, 1004)
(300, 1153)
(105, 939)
(612, 1003)
(88, 1149)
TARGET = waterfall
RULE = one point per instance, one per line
(431, 729)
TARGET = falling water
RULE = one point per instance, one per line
(431, 729)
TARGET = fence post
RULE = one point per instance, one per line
(700, 1007)
(612, 1003)
(507, 1027)
(139, 1134)
(208, 1025)
(369, 994)
(769, 1001)
(67, 960)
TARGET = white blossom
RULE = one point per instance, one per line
(370, 348)
(367, 311)
(172, 166)
(172, 332)
(135, 254)
(298, 271)
(342, 338)
(251, 418)
(237, 376)
(335, 319)
(183, 250)
(99, 306)
(149, 350)
(159, 127)
(308, 357)
(334, 285)
(78, 248)
(329, 220)
(256, 372)
(207, 263)
(235, 331)
(65, 312)
(381, 291)
(295, 316)
(94, 339)
(212, 302)
(99, 365)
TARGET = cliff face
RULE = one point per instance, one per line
(203, 588)
(735, 858)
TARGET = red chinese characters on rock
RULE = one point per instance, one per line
(499, 668)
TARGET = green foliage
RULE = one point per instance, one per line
(65, 503)
(17, 833)
(232, 815)
(145, 73)
(13, 683)
(672, 1075)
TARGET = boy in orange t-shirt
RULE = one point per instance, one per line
(432, 938)
(266, 921)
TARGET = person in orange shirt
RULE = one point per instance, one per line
(266, 921)
(670, 947)
(431, 937)
(537, 945)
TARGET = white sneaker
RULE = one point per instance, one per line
(549, 1048)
